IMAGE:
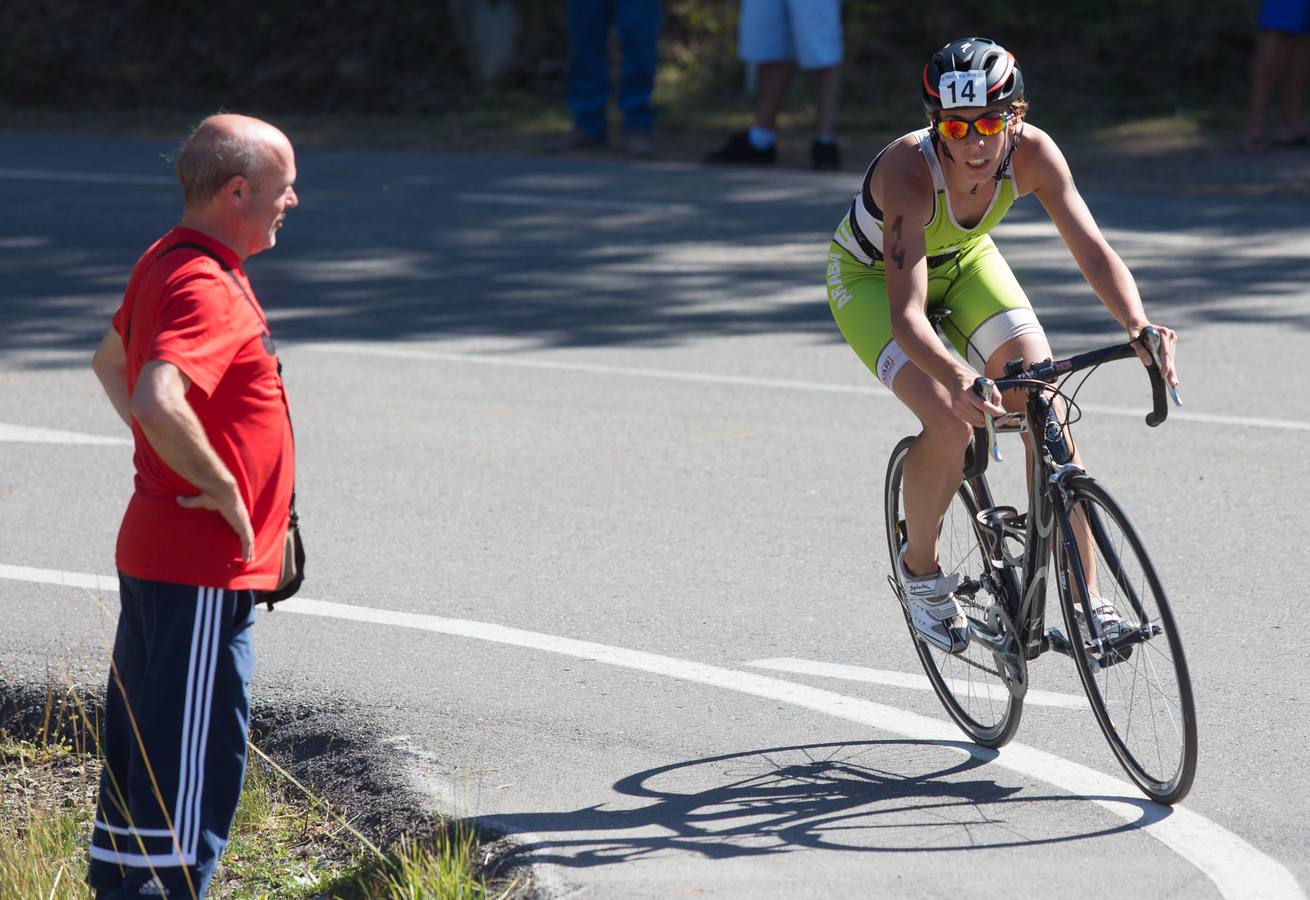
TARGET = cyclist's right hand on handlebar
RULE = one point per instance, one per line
(969, 407)
(1168, 349)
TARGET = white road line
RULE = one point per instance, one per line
(575, 203)
(387, 350)
(86, 177)
(1237, 869)
(105, 583)
(365, 349)
(914, 682)
(22, 434)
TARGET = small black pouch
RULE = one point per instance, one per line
(293, 563)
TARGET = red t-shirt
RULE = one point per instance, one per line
(182, 308)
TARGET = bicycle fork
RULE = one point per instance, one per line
(1069, 566)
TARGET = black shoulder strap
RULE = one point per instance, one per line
(216, 258)
(185, 245)
(200, 248)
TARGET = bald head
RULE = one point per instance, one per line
(223, 146)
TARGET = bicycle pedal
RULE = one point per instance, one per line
(1056, 640)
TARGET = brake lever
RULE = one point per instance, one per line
(1152, 339)
(983, 387)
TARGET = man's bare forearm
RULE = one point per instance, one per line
(110, 366)
(173, 430)
(115, 385)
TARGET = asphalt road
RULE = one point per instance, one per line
(595, 488)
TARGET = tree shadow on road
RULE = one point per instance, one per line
(552, 254)
(892, 796)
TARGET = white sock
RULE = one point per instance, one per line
(761, 138)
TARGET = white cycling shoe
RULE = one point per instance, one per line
(1108, 620)
(934, 611)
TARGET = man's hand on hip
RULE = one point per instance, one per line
(233, 510)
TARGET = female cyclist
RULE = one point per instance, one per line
(916, 239)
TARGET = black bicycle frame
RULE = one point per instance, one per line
(1052, 465)
(1026, 598)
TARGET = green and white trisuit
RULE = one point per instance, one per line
(966, 274)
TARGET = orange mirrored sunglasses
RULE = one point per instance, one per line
(987, 125)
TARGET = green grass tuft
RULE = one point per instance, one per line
(285, 843)
(43, 828)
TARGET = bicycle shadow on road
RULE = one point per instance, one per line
(887, 796)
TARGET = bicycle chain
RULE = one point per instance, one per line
(978, 665)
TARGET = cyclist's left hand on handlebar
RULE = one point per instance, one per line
(972, 408)
(1168, 350)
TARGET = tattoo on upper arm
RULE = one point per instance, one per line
(897, 254)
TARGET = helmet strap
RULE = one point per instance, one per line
(1004, 167)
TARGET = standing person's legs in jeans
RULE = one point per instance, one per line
(1296, 129)
(1280, 61)
(589, 65)
(639, 31)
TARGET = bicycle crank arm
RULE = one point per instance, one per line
(1014, 664)
(1055, 640)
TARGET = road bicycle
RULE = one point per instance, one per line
(1075, 533)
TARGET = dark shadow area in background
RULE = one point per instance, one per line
(439, 247)
(890, 796)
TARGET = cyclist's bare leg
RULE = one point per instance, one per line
(1034, 348)
(933, 467)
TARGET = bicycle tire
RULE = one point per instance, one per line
(970, 685)
(1141, 695)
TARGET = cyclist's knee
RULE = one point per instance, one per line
(945, 432)
(1030, 346)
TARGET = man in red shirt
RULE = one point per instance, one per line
(189, 364)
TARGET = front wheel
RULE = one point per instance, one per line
(1137, 682)
(972, 684)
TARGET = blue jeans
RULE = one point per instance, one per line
(589, 65)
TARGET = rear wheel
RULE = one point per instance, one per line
(972, 685)
(1138, 684)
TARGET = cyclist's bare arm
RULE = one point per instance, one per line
(1045, 173)
(908, 199)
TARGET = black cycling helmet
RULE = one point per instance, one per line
(1000, 72)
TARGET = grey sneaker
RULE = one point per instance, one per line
(934, 611)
